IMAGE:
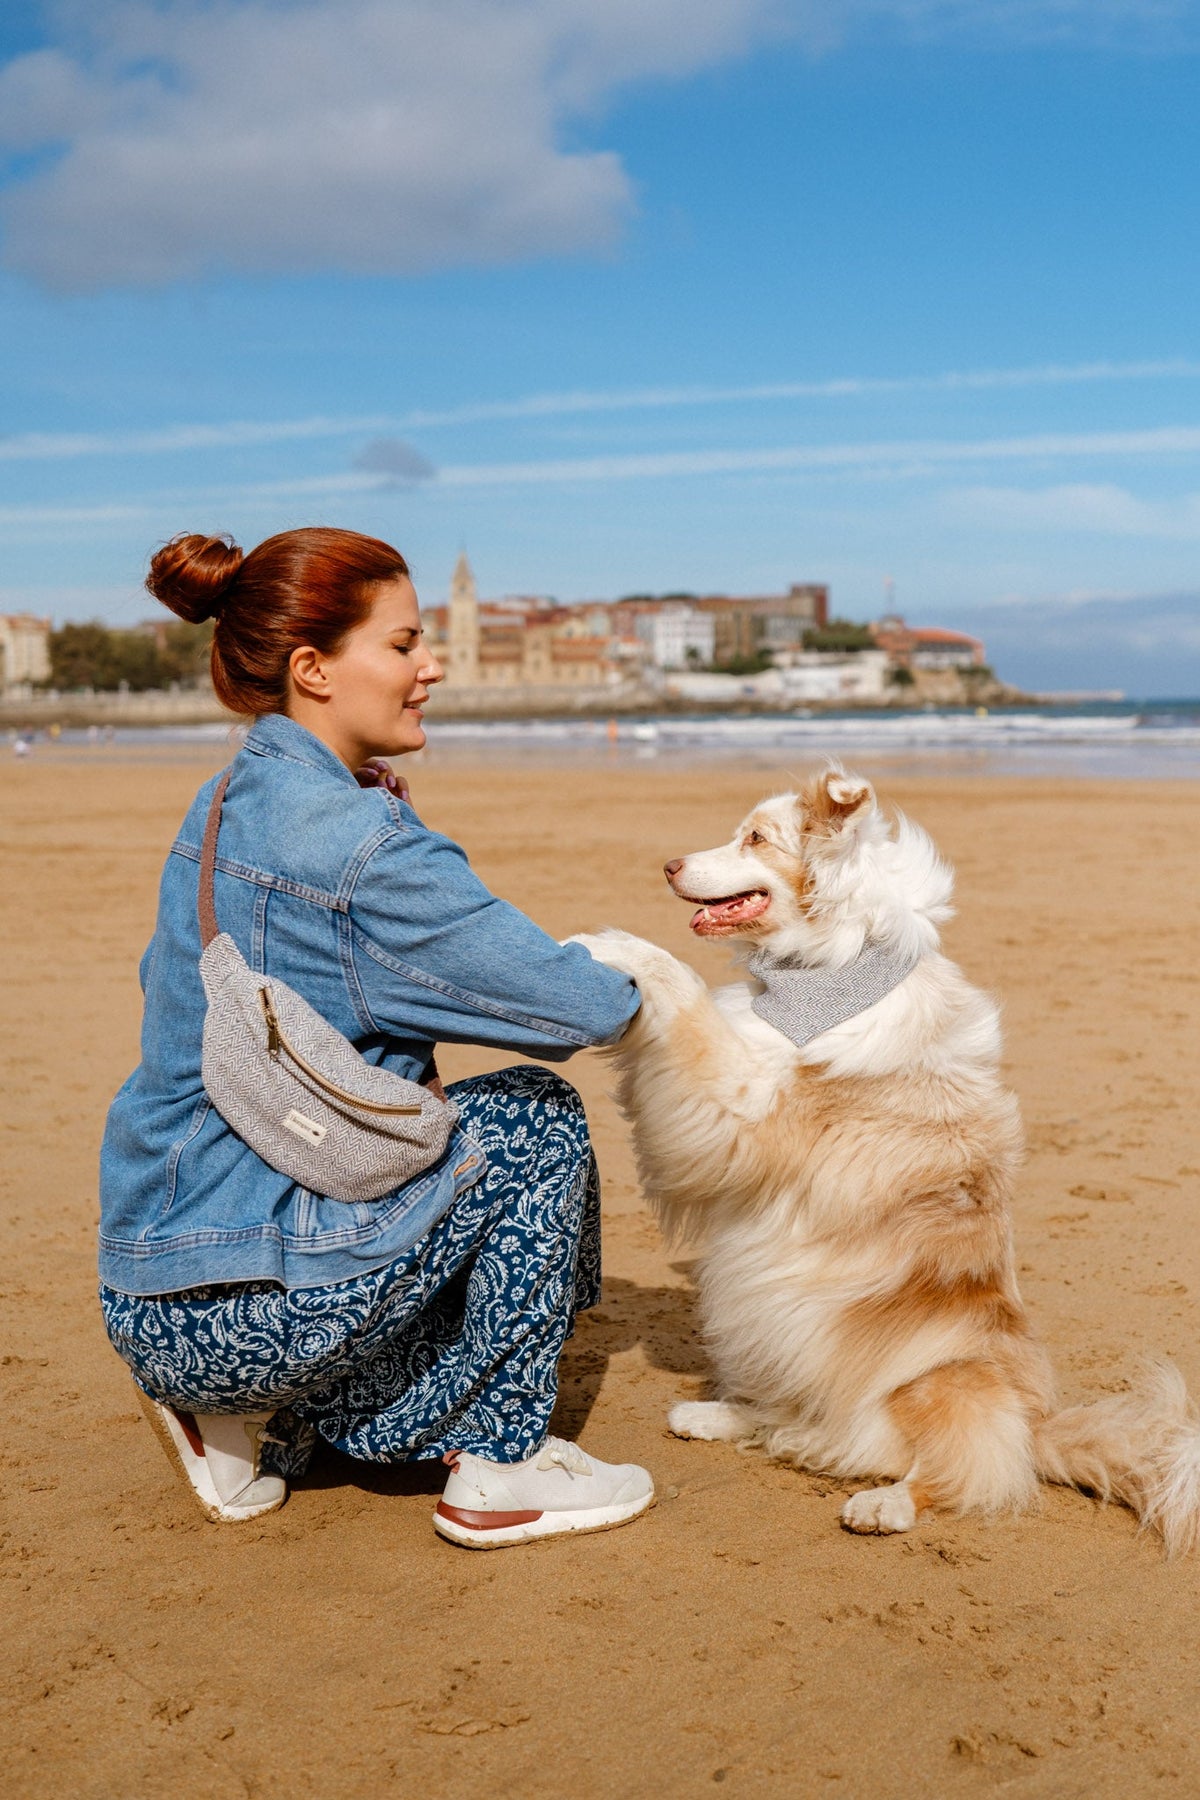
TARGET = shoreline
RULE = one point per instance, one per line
(1059, 742)
(127, 711)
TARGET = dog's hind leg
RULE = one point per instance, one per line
(717, 1421)
(969, 1428)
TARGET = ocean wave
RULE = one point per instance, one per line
(935, 730)
(1156, 739)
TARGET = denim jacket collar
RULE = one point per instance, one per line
(274, 734)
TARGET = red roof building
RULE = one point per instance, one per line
(927, 646)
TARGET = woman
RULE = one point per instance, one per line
(254, 1314)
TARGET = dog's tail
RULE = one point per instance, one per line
(1141, 1447)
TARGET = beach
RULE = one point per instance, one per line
(736, 1635)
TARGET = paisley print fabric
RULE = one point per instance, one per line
(455, 1346)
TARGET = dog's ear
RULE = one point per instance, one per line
(832, 800)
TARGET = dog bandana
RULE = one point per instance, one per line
(802, 1002)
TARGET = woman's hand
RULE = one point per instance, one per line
(377, 773)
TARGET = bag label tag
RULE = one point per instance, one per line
(304, 1127)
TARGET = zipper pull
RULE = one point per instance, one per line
(268, 1012)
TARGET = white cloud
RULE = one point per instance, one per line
(1076, 507)
(38, 446)
(43, 446)
(913, 457)
(533, 406)
(46, 519)
(1093, 508)
(374, 136)
(165, 140)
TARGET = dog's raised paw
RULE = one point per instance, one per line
(716, 1421)
(615, 947)
(880, 1509)
(663, 979)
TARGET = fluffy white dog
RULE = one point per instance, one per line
(835, 1133)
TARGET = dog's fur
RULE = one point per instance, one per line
(852, 1197)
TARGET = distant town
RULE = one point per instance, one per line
(530, 653)
(705, 649)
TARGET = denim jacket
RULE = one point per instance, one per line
(381, 925)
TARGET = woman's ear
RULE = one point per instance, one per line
(309, 673)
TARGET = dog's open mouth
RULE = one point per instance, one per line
(717, 917)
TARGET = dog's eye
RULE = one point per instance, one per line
(754, 837)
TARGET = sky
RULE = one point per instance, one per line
(620, 296)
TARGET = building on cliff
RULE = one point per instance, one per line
(721, 629)
(927, 647)
(766, 624)
(524, 642)
(676, 635)
(517, 642)
(24, 650)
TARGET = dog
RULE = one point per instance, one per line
(835, 1134)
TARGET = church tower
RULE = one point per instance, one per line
(463, 625)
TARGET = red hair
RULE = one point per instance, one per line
(301, 587)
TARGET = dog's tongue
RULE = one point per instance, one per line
(718, 915)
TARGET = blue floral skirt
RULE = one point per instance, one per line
(455, 1346)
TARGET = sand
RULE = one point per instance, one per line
(736, 1635)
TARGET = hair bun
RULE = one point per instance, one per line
(192, 575)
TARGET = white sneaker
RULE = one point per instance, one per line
(217, 1456)
(488, 1505)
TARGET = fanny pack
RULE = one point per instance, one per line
(292, 1086)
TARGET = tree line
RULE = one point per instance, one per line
(107, 657)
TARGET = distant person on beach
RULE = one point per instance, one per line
(257, 1315)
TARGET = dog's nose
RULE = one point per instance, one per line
(671, 869)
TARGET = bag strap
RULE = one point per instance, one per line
(206, 906)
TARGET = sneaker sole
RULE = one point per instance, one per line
(193, 1472)
(457, 1530)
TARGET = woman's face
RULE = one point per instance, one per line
(367, 700)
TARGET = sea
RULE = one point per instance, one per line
(1142, 740)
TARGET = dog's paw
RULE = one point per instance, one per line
(607, 945)
(716, 1421)
(655, 970)
(881, 1509)
(621, 949)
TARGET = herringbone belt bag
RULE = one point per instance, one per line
(292, 1086)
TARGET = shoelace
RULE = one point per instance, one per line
(567, 1456)
(259, 1434)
